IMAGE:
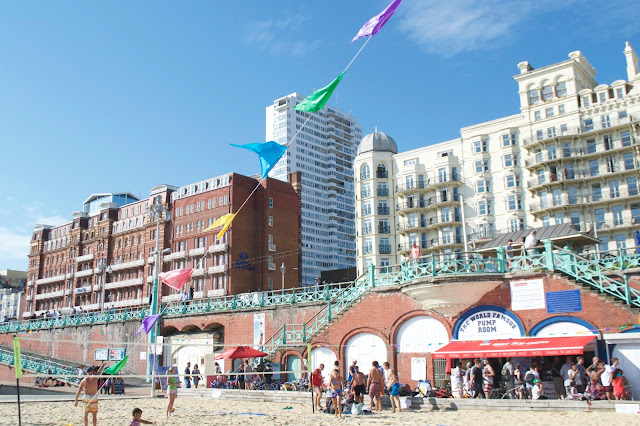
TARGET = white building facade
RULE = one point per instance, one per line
(323, 151)
(569, 156)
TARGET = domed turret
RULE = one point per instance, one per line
(377, 141)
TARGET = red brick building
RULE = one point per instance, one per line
(105, 256)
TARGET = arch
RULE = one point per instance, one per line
(559, 78)
(563, 325)
(365, 347)
(292, 360)
(191, 328)
(169, 330)
(421, 333)
(365, 171)
(381, 167)
(532, 86)
(510, 325)
(323, 355)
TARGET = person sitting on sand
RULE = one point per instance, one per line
(138, 420)
(90, 398)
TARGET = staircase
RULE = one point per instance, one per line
(42, 365)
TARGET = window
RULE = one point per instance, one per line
(270, 220)
(561, 89)
(614, 189)
(541, 176)
(511, 181)
(591, 146)
(608, 142)
(569, 171)
(596, 192)
(611, 164)
(560, 109)
(621, 241)
(551, 132)
(606, 121)
(599, 216)
(270, 202)
(594, 168)
(625, 138)
(629, 163)
(575, 220)
(620, 93)
(484, 207)
(617, 215)
(622, 115)
(411, 162)
(537, 115)
(482, 166)
(635, 213)
(543, 200)
(586, 101)
(551, 150)
(509, 139)
(548, 112)
(564, 130)
(366, 173)
(513, 203)
(442, 174)
(510, 160)
(632, 185)
(604, 244)
(539, 135)
(480, 146)
(534, 96)
(483, 186)
(270, 284)
(547, 93)
(587, 124)
(559, 218)
(516, 224)
(366, 190)
(602, 97)
(556, 194)
(546, 221)
(409, 182)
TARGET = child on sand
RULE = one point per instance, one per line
(394, 391)
(172, 389)
(90, 398)
(138, 420)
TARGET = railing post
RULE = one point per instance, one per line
(262, 299)
(403, 271)
(293, 296)
(329, 310)
(233, 302)
(371, 276)
(208, 304)
(433, 265)
(621, 257)
(502, 263)
(627, 292)
(284, 334)
(327, 293)
(548, 249)
(304, 333)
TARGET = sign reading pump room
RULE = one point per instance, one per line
(488, 323)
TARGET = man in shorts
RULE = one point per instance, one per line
(358, 385)
(374, 385)
(316, 383)
(90, 398)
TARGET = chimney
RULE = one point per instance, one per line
(632, 62)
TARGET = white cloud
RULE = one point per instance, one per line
(14, 248)
(276, 36)
(450, 27)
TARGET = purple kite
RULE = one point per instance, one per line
(148, 323)
(376, 23)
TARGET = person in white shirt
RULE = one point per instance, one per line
(537, 392)
(566, 367)
(456, 381)
(607, 377)
(530, 243)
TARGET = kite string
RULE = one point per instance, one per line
(354, 58)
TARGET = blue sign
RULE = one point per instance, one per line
(563, 301)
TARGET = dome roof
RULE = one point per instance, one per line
(377, 141)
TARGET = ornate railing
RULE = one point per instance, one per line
(41, 365)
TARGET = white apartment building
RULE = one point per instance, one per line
(323, 151)
(570, 155)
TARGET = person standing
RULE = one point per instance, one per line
(456, 381)
(248, 376)
(374, 385)
(172, 389)
(509, 252)
(187, 375)
(487, 376)
(476, 375)
(358, 385)
(352, 371)
(581, 377)
(507, 374)
(335, 382)
(90, 398)
(394, 390)
(415, 252)
(386, 370)
(518, 381)
(195, 375)
(618, 383)
(530, 243)
(607, 378)
(557, 376)
(595, 385)
(316, 383)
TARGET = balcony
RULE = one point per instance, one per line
(215, 248)
(50, 295)
(220, 292)
(128, 302)
(382, 174)
(367, 230)
(172, 297)
(85, 273)
(365, 194)
(412, 186)
(384, 229)
(384, 249)
(198, 272)
(68, 291)
(222, 269)
(151, 260)
(382, 192)
(366, 212)
(383, 210)
(132, 264)
(272, 247)
(123, 283)
(578, 152)
(84, 258)
(196, 252)
(81, 290)
(433, 201)
(51, 279)
(175, 256)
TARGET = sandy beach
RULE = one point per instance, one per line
(207, 411)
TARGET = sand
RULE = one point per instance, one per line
(207, 411)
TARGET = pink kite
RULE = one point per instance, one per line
(176, 278)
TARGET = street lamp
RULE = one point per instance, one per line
(104, 270)
(283, 269)
(156, 212)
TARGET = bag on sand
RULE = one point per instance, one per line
(329, 404)
(358, 409)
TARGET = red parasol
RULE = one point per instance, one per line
(241, 352)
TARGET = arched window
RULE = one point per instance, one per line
(365, 173)
(381, 171)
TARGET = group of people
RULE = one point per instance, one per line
(192, 375)
(357, 384)
(527, 246)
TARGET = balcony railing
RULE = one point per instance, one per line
(215, 248)
(382, 174)
(125, 265)
(50, 295)
(123, 283)
(383, 192)
(51, 279)
(384, 249)
(572, 200)
(220, 269)
(197, 251)
(84, 258)
(175, 256)
(85, 273)
(384, 229)
(383, 210)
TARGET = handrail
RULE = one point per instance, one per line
(40, 364)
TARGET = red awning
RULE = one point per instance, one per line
(527, 346)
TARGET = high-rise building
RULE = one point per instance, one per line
(323, 151)
(105, 257)
(570, 155)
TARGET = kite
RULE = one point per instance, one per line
(176, 278)
(268, 152)
(376, 23)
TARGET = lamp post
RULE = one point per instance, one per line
(283, 269)
(104, 270)
(156, 212)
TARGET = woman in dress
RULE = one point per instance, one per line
(172, 389)
(595, 385)
(195, 376)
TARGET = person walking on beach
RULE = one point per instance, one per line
(316, 384)
(456, 381)
(172, 389)
(518, 381)
(195, 375)
(90, 398)
(487, 376)
(374, 385)
(248, 377)
(507, 374)
(335, 382)
(187, 375)
(476, 375)
(394, 390)
(358, 385)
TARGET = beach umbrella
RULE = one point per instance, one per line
(637, 236)
(241, 352)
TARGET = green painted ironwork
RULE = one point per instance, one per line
(41, 365)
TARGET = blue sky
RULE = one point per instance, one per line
(121, 96)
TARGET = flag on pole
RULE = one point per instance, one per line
(376, 23)
(17, 358)
(147, 324)
(268, 152)
(176, 278)
(223, 221)
(118, 366)
(316, 101)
